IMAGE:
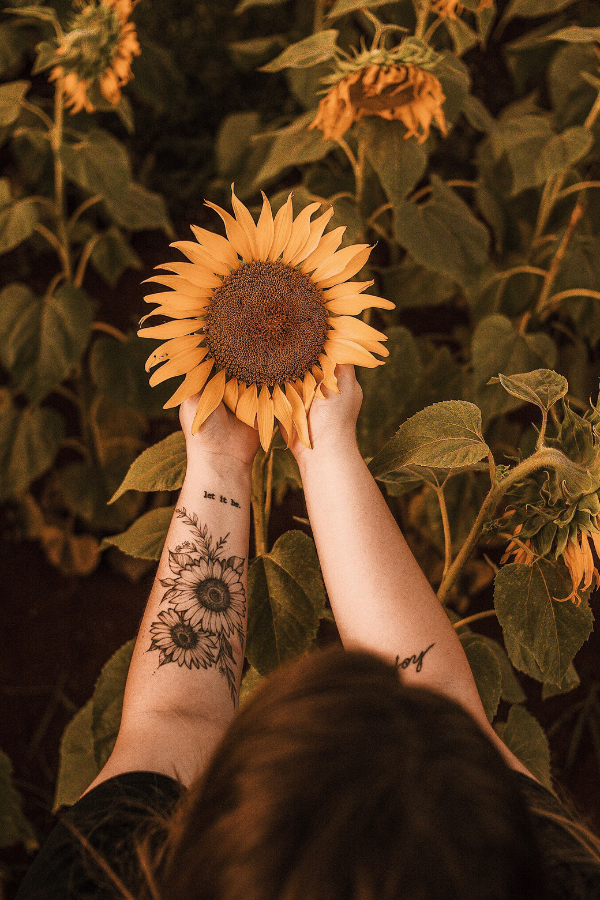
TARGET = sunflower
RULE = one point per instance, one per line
(404, 92)
(97, 53)
(261, 318)
(212, 595)
(179, 642)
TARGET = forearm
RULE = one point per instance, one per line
(380, 597)
(183, 683)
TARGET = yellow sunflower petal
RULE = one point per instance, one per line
(324, 250)
(337, 262)
(180, 285)
(265, 230)
(328, 366)
(197, 275)
(172, 348)
(283, 411)
(236, 234)
(192, 383)
(374, 347)
(200, 257)
(176, 298)
(178, 312)
(298, 414)
(343, 351)
(316, 231)
(265, 417)
(243, 216)
(355, 329)
(180, 364)
(300, 232)
(354, 266)
(177, 328)
(247, 406)
(282, 229)
(216, 246)
(209, 399)
(230, 396)
(345, 290)
(354, 304)
(309, 387)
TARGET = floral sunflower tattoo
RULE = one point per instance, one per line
(207, 605)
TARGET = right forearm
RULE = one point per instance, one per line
(380, 597)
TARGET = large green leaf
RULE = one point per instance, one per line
(29, 441)
(511, 690)
(98, 163)
(341, 7)
(146, 537)
(117, 369)
(445, 435)
(112, 255)
(77, 765)
(399, 163)
(232, 141)
(42, 339)
(107, 702)
(551, 630)
(542, 387)
(308, 52)
(531, 9)
(139, 209)
(497, 347)
(14, 827)
(286, 598)
(17, 219)
(575, 34)
(159, 468)
(11, 95)
(293, 145)
(486, 672)
(526, 738)
(443, 234)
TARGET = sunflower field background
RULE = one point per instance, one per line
(462, 142)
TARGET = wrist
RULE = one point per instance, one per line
(329, 453)
(203, 464)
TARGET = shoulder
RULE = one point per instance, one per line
(96, 839)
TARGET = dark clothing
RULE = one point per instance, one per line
(120, 811)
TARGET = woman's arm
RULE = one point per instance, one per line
(380, 597)
(183, 683)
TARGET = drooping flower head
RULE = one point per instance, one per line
(391, 84)
(261, 318)
(96, 54)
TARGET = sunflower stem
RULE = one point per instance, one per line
(269, 488)
(446, 524)
(258, 502)
(56, 137)
(485, 614)
(422, 16)
(319, 17)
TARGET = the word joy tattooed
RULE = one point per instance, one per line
(416, 660)
(206, 605)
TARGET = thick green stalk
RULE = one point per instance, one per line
(59, 181)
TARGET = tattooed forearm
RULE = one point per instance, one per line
(416, 660)
(206, 605)
(222, 499)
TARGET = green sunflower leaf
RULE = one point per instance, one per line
(251, 680)
(342, 7)
(107, 702)
(486, 672)
(42, 339)
(112, 255)
(312, 50)
(293, 145)
(29, 441)
(11, 95)
(146, 537)
(248, 4)
(286, 599)
(542, 386)
(535, 623)
(159, 468)
(444, 435)
(399, 163)
(14, 827)
(526, 738)
(77, 765)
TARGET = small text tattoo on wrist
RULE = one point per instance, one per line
(206, 605)
(222, 499)
(417, 660)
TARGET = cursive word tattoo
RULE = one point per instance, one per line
(206, 605)
(416, 660)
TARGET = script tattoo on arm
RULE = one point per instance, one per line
(417, 661)
(205, 605)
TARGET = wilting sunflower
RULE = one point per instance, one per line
(96, 54)
(391, 84)
(265, 314)
(452, 9)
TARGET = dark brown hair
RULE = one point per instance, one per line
(337, 782)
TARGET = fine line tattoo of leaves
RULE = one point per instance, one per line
(206, 605)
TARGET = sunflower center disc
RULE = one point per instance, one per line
(266, 324)
(184, 636)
